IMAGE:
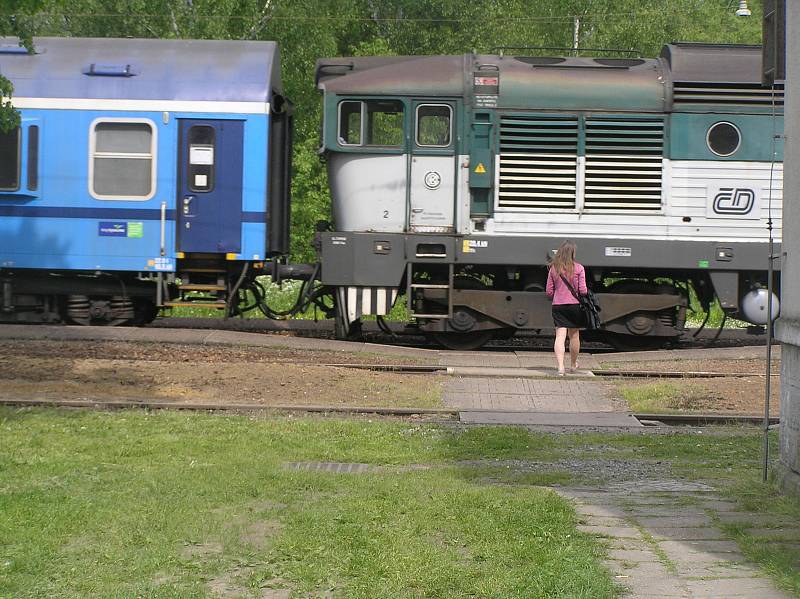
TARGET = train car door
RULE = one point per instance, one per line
(432, 186)
(210, 186)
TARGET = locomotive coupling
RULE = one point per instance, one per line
(281, 272)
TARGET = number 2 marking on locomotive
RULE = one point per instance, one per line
(385, 214)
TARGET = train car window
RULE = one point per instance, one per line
(433, 125)
(9, 160)
(384, 123)
(33, 157)
(122, 162)
(350, 123)
(723, 138)
(202, 140)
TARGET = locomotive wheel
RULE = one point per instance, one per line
(467, 339)
(463, 341)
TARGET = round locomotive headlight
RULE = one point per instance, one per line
(432, 180)
(723, 138)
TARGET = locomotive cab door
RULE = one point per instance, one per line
(432, 180)
(210, 186)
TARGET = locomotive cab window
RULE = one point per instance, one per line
(377, 123)
(122, 164)
(723, 138)
(201, 158)
(433, 125)
(9, 160)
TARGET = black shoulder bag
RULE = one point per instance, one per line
(589, 305)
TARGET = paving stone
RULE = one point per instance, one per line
(629, 544)
(633, 555)
(647, 579)
(747, 518)
(611, 531)
(687, 534)
(737, 587)
(701, 552)
(657, 500)
(719, 505)
(602, 521)
(659, 511)
(674, 521)
(704, 571)
(599, 511)
(649, 486)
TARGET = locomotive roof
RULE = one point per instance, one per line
(143, 69)
(547, 82)
(717, 63)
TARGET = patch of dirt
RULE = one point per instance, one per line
(201, 551)
(734, 395)
(259, 533)
(191, 374)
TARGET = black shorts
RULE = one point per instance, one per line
(569, 316)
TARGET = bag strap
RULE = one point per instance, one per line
(571, 289)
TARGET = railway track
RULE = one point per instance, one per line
(404, 337)
(438, 413)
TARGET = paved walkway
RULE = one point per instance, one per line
(665, 542)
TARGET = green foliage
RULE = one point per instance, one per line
(310, 29)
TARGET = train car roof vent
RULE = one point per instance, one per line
(619, 62)
(540, 61)
(97, 69)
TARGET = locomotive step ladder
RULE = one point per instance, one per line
(446, 289)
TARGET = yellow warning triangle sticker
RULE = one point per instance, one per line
(480, 169)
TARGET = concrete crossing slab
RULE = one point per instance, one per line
(581, 419)
(535, 395)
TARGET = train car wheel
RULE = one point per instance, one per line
(145, 312)
(463, 341)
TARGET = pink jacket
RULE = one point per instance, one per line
(560, 293)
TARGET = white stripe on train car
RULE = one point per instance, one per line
(141, 105)
(352, 303)
(366, 300)
(381, 307)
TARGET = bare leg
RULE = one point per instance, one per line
(574, 346)
(558, 347)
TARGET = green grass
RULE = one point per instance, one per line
(660, 397)
(137, 504)
(182, 505)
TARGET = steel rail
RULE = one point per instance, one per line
(666, 419)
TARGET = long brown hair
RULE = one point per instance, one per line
(564, 261)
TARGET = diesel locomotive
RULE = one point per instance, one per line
(147, 174)
(453, 178)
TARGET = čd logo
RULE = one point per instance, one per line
(734, 201)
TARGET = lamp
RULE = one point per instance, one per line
(743, 11)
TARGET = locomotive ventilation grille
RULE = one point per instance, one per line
(540, 166)
(747, 94)
(624, 160)
(538, 162)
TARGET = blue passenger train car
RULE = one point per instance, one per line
(144, 173)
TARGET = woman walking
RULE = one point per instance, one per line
(566, 280)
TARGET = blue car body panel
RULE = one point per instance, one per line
(72, 84)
